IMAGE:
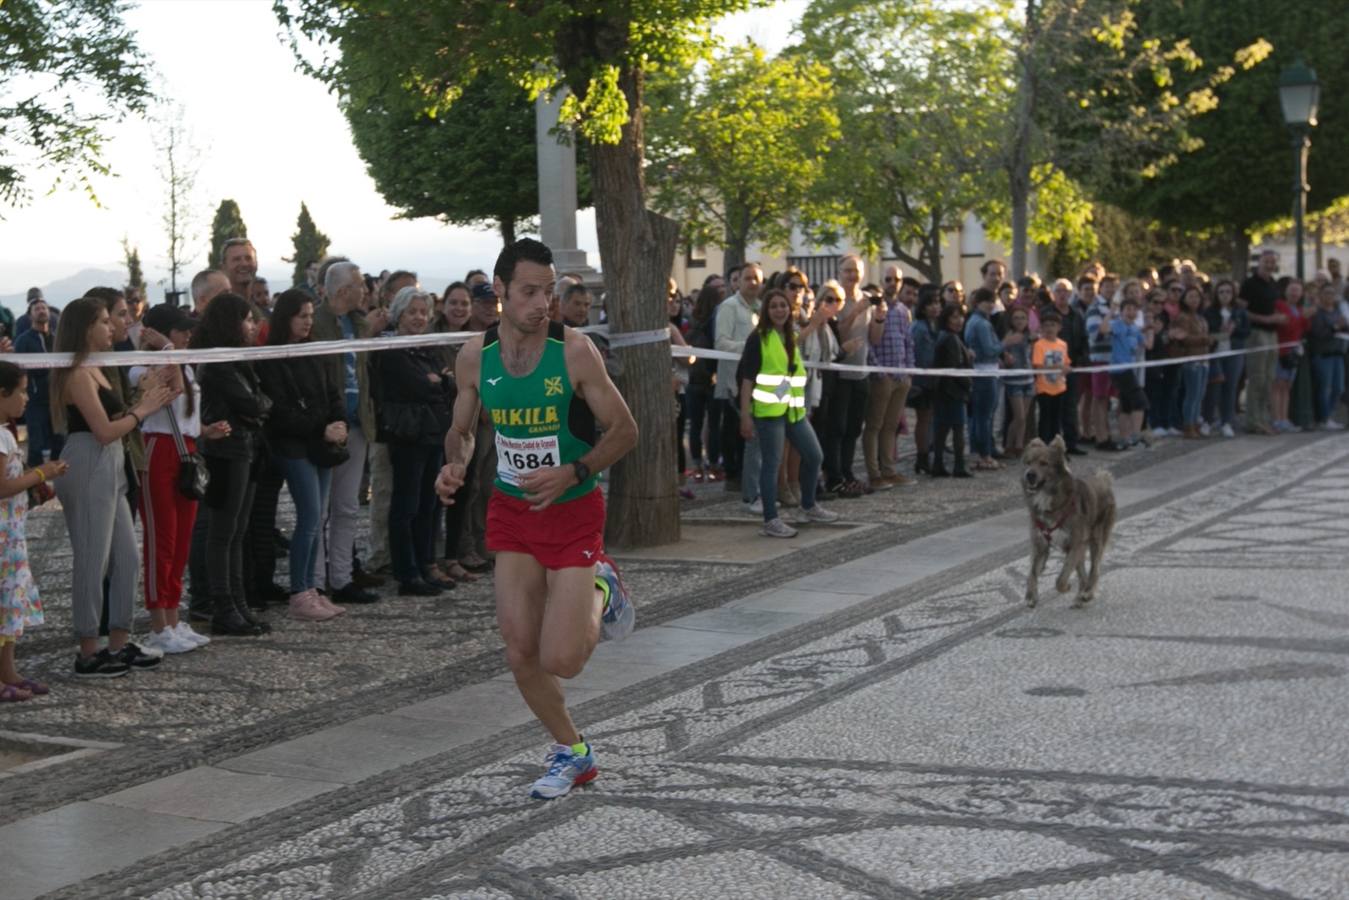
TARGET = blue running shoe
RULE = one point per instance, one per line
(620, 616)
(566, 770)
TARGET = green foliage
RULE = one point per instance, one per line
(470, 164)
(1240, 176)
(310, 244)
(736, 147)
(436, 49)
(135, 277)
(922, 91)
(55, 54)
(228, 223)
(1106, 94)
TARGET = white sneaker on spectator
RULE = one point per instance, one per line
(186, 633)
(1173, 432)
(1332, 425)
(1204, 429)
(778, 529)
(818, 513)
(1228, 432)
(164, 642)
(753, 509)
(1159, 432)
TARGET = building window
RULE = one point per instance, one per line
(695, 257)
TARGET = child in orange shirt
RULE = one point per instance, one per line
(1050, 354)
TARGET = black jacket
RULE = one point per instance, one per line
(230, 391)
(305, 400)
(401, 379)
(950, 354)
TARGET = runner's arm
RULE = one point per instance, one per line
(460, 438)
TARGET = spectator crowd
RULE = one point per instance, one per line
(199, 454)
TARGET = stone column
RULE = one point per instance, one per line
(557, 191)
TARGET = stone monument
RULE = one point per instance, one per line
(557, 192)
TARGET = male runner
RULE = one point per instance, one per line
(545, 387)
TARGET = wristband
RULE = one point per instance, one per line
(41, 476)
(132, 414)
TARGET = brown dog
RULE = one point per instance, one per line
(1078, 514)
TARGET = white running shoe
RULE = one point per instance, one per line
(1173, 432)
(1204, 429)
(1228, 432)
(753, 509)
(1159, 432)
(778, 529)
(185, 632)
(162, 643)
(1332, 425)
(818, 513)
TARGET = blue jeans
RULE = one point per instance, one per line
(412, 509)
(41, 436)
(984, 397)
(1232, 367)
(773, 433)
(1329, 384)
(308, 485)
(1194, 378)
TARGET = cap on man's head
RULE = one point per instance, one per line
(34, 295)
(165, 317)
(483, 292)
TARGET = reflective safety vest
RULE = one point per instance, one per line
(779, 390)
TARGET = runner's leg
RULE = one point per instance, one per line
(522, 588)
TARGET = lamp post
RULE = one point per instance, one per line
(1299, 94)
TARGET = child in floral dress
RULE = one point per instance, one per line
(20, 607)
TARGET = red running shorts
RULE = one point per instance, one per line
(561, 536)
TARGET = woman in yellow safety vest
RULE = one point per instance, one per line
(773, 403)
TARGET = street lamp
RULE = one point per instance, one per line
(1299, 93)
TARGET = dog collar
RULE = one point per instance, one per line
(1048, 532)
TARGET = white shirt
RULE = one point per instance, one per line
(158, 421)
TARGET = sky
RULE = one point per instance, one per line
(269, 138)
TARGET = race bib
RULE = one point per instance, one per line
(517, 457)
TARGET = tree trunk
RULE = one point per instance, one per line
(1241, 252)
(934, 250)
(637, 250)
(506, 225)
(734, 251)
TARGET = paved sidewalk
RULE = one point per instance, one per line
(897, 725)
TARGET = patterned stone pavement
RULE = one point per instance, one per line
(1184, 736)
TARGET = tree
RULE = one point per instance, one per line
(310, 244)
(1239, 178)
(601, 51)
(55, 56)
(737, 146)
(135, 278)
(436, 165)
(178, 164)
(1102, 91)
(228, 223)
(921, 87)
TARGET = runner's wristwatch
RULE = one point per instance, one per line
(582, 471)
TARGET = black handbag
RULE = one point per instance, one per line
(193, 478)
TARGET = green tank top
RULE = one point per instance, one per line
(538, 420)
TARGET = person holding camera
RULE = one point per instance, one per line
(306, 434)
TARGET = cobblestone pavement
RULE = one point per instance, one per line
(240, 694)
(1184, 736)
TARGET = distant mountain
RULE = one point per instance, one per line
(63, 290)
